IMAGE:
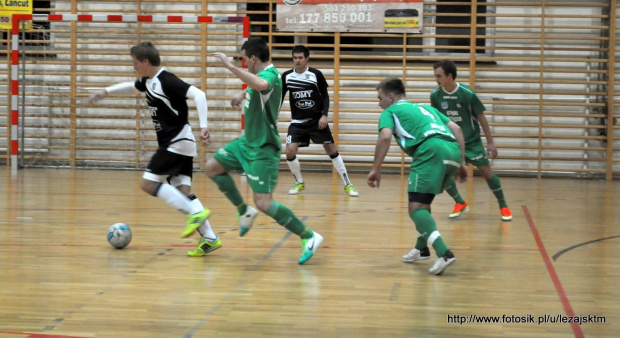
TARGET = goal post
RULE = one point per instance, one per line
(52, 125)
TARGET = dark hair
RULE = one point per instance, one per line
(146, 51)
(392, 85)
(301, 49)
(256, 47)
(448, 67)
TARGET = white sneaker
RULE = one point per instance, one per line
(442, 263)
(417, 255)
(297, 187)
(246, 220)
(309, 247)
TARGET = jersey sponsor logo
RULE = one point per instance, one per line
(304, 104)
(302, 94)
(444, 105)
(157, 126)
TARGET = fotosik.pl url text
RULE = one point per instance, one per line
(525, 319)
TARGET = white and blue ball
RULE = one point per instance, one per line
(119, 235)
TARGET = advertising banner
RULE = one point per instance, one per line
(392, 16)
(10, 7)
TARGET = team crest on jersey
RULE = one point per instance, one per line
(307, 76)
(444, 105)
(154, 86)
(459, 105)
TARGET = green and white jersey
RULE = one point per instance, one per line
(261, 111)
(462, 106)
(412, 124)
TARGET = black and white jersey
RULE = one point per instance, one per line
(167, 101)
(307, 92)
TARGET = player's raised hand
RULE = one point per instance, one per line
(97, 95)
(224, 58)
(374, 179)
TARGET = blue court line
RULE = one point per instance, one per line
(242, 280)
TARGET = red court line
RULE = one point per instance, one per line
(554, 276)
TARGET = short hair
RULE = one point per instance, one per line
(256, 47)
(448, 67)
(301, 49)
(392, 85)
(146, 51)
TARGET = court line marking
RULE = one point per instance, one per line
(242, 280)
(554, 276)
(561, 252)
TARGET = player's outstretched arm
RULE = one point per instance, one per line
(381, 150)
(119, 88)
(248, 78)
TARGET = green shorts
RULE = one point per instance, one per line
(475, 154)
(260, 165)
(435, 161)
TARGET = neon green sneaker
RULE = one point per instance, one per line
(309, 247)
(297, 187)
(204, 247)
(194, 221)
(350, 190)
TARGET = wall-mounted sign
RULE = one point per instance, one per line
(393, 16)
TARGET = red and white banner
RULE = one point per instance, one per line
(392, 16)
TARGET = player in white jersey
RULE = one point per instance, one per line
(309, 102)
(169, 173)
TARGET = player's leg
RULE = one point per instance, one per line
(225, 160)
(208, 241)
(460, 206)
(496, 187)
(265, 173)
(330, 149)
(296, 135)
(163, 164)
(429, 169)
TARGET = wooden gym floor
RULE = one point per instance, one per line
(60, 278)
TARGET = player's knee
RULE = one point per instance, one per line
(262, 202)
(150, 187)
(291, 153)
(213, 168)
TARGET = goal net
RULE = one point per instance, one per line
(73, 55)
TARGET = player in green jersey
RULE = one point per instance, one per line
(461, 105)
(257, 153)
(436, 145)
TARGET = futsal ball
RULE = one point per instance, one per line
(119, 235)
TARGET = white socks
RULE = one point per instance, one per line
(342, 170)
(295, 169)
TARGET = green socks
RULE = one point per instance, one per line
(425, 224)
(496, 188)
(454, 192)
(227, 186)
(285, 217)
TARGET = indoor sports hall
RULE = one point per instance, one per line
(546, 71)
